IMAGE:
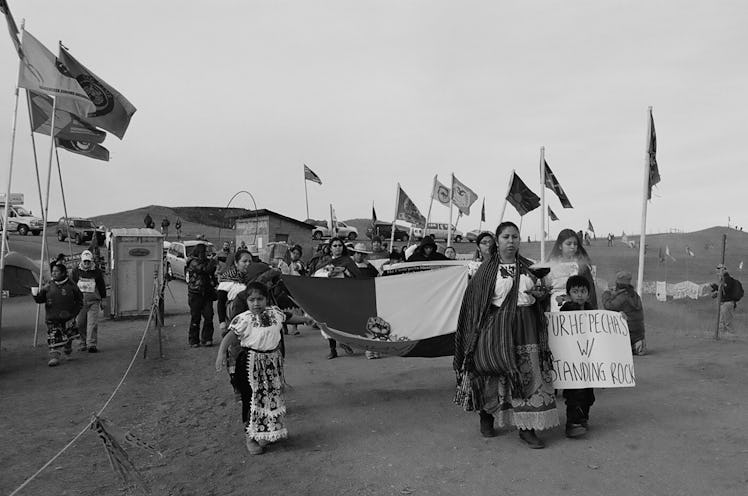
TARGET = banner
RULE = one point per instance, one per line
(90, 150)
(440, 192)
(589, 226)
(462, 196)
(590, 348)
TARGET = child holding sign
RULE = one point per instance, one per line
(578, 401)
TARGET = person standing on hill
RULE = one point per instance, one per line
(178, 227)
(729, 291)
(148, 221)
(165, 227)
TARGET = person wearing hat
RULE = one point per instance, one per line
(624, 298)
(90, 281)
(360, 253)
(426, 252)
(730, 292)
(377, 249)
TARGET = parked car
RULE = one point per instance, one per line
(471, 236)
(344, 231)
(384, 229)
(79, 230)
(438, 230)
(177, 255)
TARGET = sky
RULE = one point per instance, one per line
(238, 95)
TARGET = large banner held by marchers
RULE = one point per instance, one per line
(590, 348)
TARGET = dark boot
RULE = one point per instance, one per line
(333, 349)
(531, 439)
(486, 424)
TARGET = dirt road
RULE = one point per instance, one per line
(366, 427)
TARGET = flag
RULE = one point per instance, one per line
(12, 28)
(309, 175)
(667, 253)
(369, 313)
(113, 111)
(483, 211)
(373, 215)
(462, 196)
(440, 192)
(552, 184)
(41, 72)
(90, 150)
(589, 226)
(407, 210)
(552, 214)
(521, 197)
(654, 173)
(67, 126)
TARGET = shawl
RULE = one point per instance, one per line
(473, 312)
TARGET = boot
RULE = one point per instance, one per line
(333, 349)
(531, 439)
(486, 424)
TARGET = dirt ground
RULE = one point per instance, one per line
(367, 427)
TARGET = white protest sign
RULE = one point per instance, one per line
(590, 348)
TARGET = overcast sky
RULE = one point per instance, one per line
(235, 95)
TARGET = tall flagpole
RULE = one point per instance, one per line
(5, 209)
(542, 203)
(508, 189)
(431, 203)
(36, 157)
(306, 196)
(64, 202)
(46, 206)
(394, 218)
(482, 209)
(449, 226)
(645, 189)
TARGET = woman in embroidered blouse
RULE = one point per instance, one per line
(259, 367)
(568, 258)
(502, 358)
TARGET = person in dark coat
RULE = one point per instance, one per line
(623, 298)
(426, 252)
(90, 280)
(148, 221)
(201, 292)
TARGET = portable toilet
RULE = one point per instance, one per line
(136, 261)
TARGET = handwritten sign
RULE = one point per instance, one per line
(590, 348)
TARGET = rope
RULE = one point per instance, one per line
(154, 306)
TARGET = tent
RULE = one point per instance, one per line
(21, 274)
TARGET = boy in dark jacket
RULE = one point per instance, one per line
(62, 301)
(90, 280)
(623, 298)
(578, 401)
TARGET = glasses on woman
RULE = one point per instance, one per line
(337, 245)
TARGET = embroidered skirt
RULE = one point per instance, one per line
(263, 376)
(534, 406)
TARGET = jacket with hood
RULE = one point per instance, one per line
(420, 256)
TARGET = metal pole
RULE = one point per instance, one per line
(508, 189)
(542, 203)
(64, 203)
(645, 189)
(449, 226)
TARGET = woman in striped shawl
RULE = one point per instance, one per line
(502, 359)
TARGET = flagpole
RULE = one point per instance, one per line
(645, 189)
(394, 218)
(5, 209)
(483, 209)
(508, 189)
(431, 203)
(306, 197)
(45, 211)
(36, 158)
(542, 203)
(449, 226)
(64, 203)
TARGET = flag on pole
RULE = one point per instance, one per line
(309, 175)
(483, 211)
(667, 253)
(373, 215)
(440, 192)
(12, 27)
(589, 226)
(521, 197)
(654, 173)
(552, 214)
(90, 150)
(41, 72)
(67, 126)
(690, 252)
(407, 210)
(462, 196)
(552, 184)
(113, 111)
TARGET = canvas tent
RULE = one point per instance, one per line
(21, 274)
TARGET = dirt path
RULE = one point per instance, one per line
(365, 427)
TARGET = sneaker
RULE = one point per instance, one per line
(53, 362)
(575, 430)
(253, 447)
(93, 349)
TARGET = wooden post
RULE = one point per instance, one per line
(645, 194)
(719, 288)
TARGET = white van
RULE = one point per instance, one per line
(19, 219)
(438, 230)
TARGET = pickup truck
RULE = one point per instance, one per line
(344, 231)
(20, 219)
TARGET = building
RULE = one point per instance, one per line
(260, 227)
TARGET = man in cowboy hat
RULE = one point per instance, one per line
(359, 258)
